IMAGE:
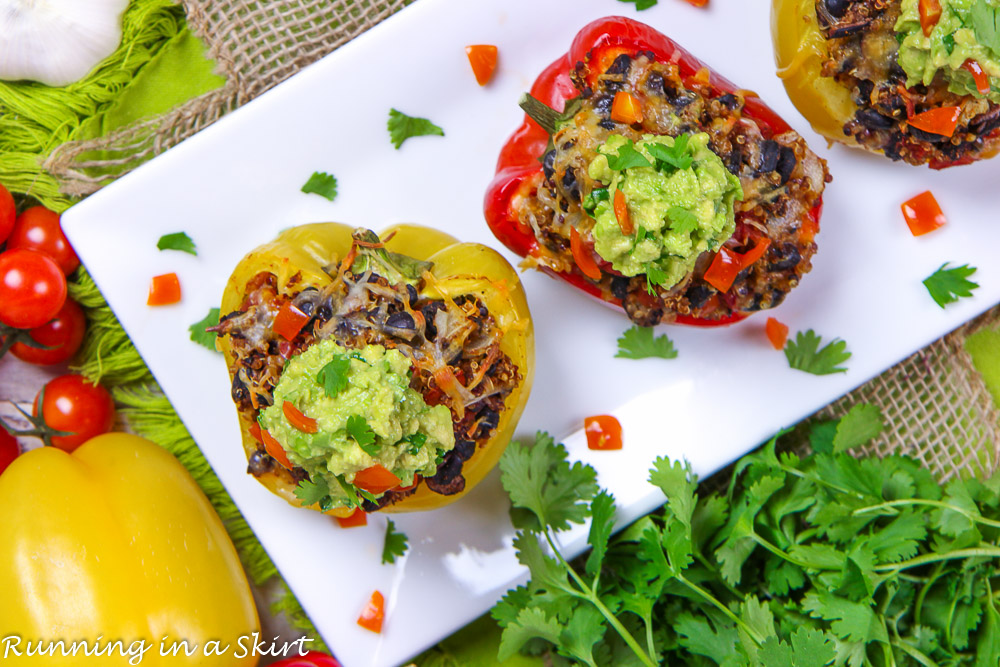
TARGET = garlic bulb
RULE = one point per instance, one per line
(57, 42)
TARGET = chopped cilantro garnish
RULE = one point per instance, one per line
(627, 158)
(333, 376)
(350, 491)
(949, 285)
(177, 241)
(671, 157)
(402, 127)
(641, 4)
(805, 354)
(395, 545)
(654, 276)
(682, 220)
(322, 184)
(417, 441)
(595, 196)
(311, 492)
(638, 343)
(949, 43)
(361, 432)
(198, 333)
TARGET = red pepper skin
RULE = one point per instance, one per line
(519, 170)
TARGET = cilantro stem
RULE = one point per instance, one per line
(980, 552)
(777, 551)
(721, 607)
(929, 503)
(918, 604)
(820, 481)
(912, 651)
(589, 594)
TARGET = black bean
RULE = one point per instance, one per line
(734, 160)
(837, 8)
(464, 449)
(607, 124)
(259, 463)
(619, 287)
(928, 136)
(324, 312)
(655, 84)
(570, 185)
(549, 163)
(786, 163)
(401, 320)
(488, 420)
(697, 295)
(411, 292)
(755, 305)
(863, 94)
(621, 65)
(602, 105)
(873, 120)
(777, 296)
(240, 392)
(682, 100)
(986, 122)
(783, 257)
(428, 312)
(729, 101)
(769, 153)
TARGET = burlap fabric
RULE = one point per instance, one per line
(936, 405)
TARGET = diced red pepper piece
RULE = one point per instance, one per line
(981, 78)
(358, 518)
(581, 255)
(255, 432)
(626, 108)
(942, 120)
(604, 432)
(373, 614)
(697, 3)
(289, 321)
(275, 449)
(923, 214)
(164, 290)
(930, 14)
(728, 264)
(777, 333)
(376, 480)
(621, 214)
(413, 485)
(297, 419)
(483, 58)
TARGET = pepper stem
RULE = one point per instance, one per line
(550, 119)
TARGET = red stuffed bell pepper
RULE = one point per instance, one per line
(653, 184)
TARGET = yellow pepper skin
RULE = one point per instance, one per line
(459, 268)
(799, 51)
(116, 541)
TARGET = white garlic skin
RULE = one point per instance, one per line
(57, 42)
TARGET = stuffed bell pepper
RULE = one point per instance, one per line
(915, 80)
(380, 374)
(652, 183)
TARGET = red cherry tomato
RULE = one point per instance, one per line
(38, 228)
(310, 659)
(8, 213)
(71, 404)
(62, 336)
(32, 288)
(9, 449)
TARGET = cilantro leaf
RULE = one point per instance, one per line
(322, 184)
(361, 432)
(948, 285)
(627, 158)
(857, 427)
(804, 354)
(682, 220)
(654, 274)
(417, 441)
(333, 376)
(675, 156)
(603, 520)
(311, 492)
(198, 333)
(641, 4)
(541, 480)
(402, 127)
(177, 241)
(638, 343)
(986, 25)
(395, 545)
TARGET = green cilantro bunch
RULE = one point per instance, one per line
(803, 562)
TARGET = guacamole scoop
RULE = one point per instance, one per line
(365, 415)
(680, 199)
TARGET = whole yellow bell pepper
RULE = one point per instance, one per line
(116, 542)
(459, 268)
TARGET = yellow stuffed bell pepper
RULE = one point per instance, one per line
(375, 373)
(115, 542)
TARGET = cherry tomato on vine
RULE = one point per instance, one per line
(38, 228)
(72, 404)
(61, 336)
(9, 449)
(32, 288)
(8, 213)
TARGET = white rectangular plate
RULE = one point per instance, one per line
(236, 184)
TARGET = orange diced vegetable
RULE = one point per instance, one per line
(584, 260)
(358, 518)
(626, 108)
(777, 333)
(164, 290)
(275, 449)
(604, 432)
(289, 321)
(923, 214)
(373, 613)
(297, 419)
(930, 14)
(942, 120)
(483, 58)
(376, 480)
(621, 214)
(981, 78)
(728, 264)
